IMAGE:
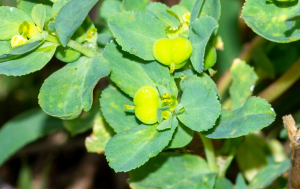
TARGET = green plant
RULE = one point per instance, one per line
(156, 58)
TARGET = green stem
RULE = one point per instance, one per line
(80, 48)
(282, 84)
(209, 153)
(224, 164)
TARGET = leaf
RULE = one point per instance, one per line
(201, 105)
(134, 5)
(5, 47)
(130, 149)
(102, 133)
(211, 8)
(196, 10)
(165, 124)
(152, 8)
(38, 15)
(137, 32)
(27, 6)
(32, 44)
(182, 137)
(264, 67)
(70, 17)
(23, 129)
(82, 123)
(164, 14)
(267, 175)
(10, 20)
(252, 155)
(179, 10)
(126, 71)
(112, 103)
(269, 20)
(240, 182)
(222, 183)
(200, 33)
(109, 8)
(244, 79)
(69, 90)
(159, 73)
(29, 62)
(173, 170)
(253, 116)
(58, 4)
(188, 4)
(203, 78)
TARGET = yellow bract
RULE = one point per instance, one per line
(146, 102)
(17, 40)
(172, 52)
(28, 29)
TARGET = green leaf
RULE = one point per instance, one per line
(29, 62)
(179, 10)
(134, 5)
(102, 133)
(173, 170)
(188, 4)
(203, 78)
(252, 155)
(270, 20)
(5, 47)
(137, 32)
(182, 137)
(222, 183)
(244, 79)
(267, 175)
(10, 20)
(70, 17)
(199, 37)
(82, 123)
(27, 6)
(211, 8)
(164, 14)
(112, 103)
(240, 182)
(57, 6)
(201, 105)
(253, 116)
(154, 7)
(32, 44)
(130, 149)
(126, 71)
(23, 129)
(264, 67)
(165, 124)
(69, 90)
(160, 74)
(38, 15)
(196, 10)
(109, 8)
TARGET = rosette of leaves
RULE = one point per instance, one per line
(133, 66)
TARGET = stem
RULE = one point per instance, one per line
(224, 164)
(245, 55)
(209, 153)
(294, 136)
(80, 48)
(282, 84)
